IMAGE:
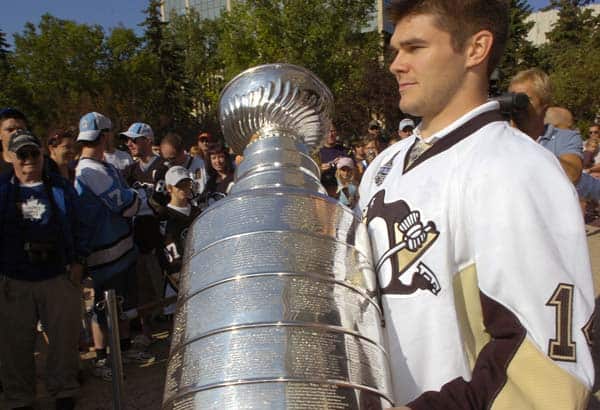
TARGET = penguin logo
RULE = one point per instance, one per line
(408, 238)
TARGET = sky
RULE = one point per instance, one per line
(107, 13)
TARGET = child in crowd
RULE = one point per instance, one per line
(175, 220)
(329, 182)
(346, 178)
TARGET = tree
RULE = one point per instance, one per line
(166, 107)
(520, 52)
(56, 68)
(567, 56)
(329, 38)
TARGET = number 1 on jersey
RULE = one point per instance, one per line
(562, 347)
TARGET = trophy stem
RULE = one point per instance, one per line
(277, 160)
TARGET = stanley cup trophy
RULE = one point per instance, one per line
(277, 305)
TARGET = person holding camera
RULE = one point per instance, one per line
(39, 277)
(331, 150)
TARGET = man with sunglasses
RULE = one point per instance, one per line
(39, 276)
(142, 175)
(11, 120)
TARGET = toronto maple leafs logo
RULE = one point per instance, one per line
(33, 209)
(409, 237)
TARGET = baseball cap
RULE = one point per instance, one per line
(91, 126)
(22, 138)
(139, 129)
(406, 122)
(344, 162)
(176, 174)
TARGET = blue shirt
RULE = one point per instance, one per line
(560, 141)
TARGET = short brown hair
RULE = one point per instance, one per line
(173, 140)
(461, 19)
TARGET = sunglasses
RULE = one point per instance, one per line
(136, 140)
(203, 140)
(28, 152)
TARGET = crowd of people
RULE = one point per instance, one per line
(459, 193)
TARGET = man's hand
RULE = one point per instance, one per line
(76, 273)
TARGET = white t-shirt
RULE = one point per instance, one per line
(119, 159)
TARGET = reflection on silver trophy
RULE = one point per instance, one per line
(278, 305)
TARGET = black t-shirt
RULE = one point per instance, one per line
(4, 166)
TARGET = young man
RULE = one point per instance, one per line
(11, 120)
(331, 150)
(476, 232)
(40, 274)
(108, 205)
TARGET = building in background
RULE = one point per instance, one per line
(210, 9)
(543, 21)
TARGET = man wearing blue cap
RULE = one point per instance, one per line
(40, 273)
(108, 204)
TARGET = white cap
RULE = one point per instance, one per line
(176, 174)
(406, 122)
(139, 129)
(91, 126)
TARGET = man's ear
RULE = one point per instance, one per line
(478, 48)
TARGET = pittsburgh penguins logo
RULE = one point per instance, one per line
(408, 239)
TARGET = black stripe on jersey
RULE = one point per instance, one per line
(454, 136)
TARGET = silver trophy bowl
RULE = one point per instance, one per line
(277, 306)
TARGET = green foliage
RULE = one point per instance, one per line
(171, 76)
(520, 52)
(570, 58)
(328, 38)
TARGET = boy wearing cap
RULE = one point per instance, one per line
(39, 276)
(405, 128)
(176, 218)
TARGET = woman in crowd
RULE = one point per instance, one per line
(61, 148)
(220, 174)
(347, 184)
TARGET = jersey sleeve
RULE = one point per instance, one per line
(104, 181)
(524, 303)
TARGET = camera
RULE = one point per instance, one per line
(513, 105)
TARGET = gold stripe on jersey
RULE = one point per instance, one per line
(469, 313)
(523, 390)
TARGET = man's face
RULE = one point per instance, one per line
(203, 142)
(218, 162)
(28, 163)
(359, 150)
(427, 68)
(594, 132)
(331, 137)
(168, 152)
(182, 191)
(405, 132)
(374, 131)
(139, 147)
(535, 110)
(7, 127)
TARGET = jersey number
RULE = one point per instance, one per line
(171, 252)
(116, 196)
(562, 347)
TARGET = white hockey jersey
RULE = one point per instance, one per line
(484, 270)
